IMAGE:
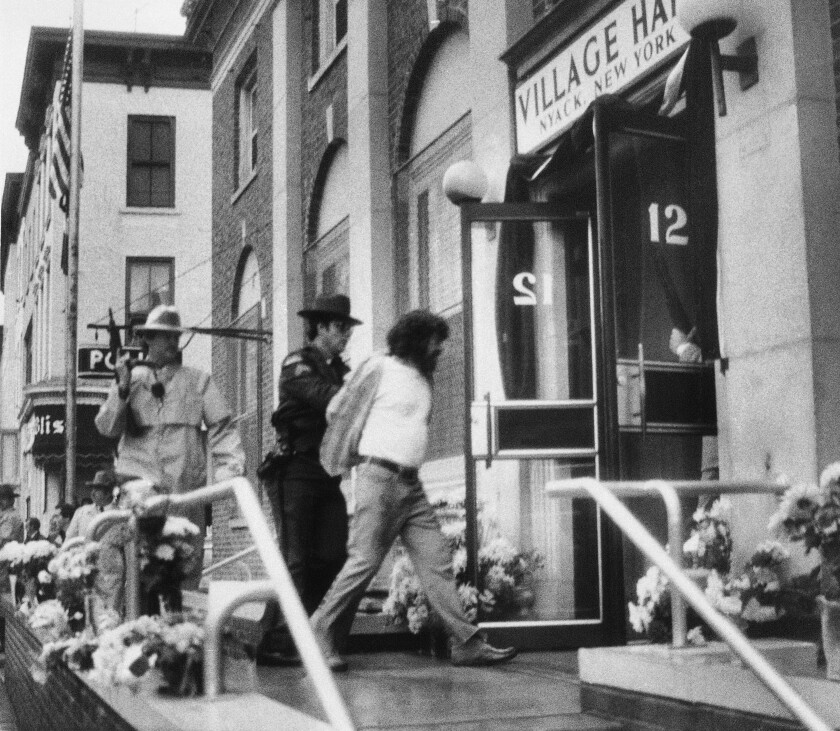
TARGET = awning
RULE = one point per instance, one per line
(43, 435)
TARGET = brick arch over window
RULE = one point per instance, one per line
(326, 255)
(452, 22)
(247, 284)
(427, 227)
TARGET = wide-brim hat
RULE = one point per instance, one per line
(163, 318)
(103, 479)
(7, 490)
(334, 306)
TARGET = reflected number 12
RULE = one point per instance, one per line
(525, 283)
(675, 217)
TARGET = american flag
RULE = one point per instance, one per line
(59, 185)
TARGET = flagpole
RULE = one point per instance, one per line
(70, 434)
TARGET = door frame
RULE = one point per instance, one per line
(611, 629)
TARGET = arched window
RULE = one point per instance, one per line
(326, 258)
(246, 360)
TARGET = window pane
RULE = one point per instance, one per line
(139, 181)
(139, 140)
(340, 20)
(254, 151)
(161, 134)
(159, 284)
(160, 194)
(138, 287)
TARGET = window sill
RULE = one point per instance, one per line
(237, 523)
(328, 62)
(137, 211)
(242, 188)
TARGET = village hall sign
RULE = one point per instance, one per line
(625, 44)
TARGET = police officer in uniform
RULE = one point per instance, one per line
(309, 509)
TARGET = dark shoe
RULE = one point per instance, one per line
(336, 663)
(270, 659)
(476, 651)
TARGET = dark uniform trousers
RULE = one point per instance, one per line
(309, 509)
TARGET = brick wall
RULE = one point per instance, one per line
(251, 208)
(63, 703)
(330, 89)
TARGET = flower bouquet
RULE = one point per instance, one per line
(505, 572)
(710, 544)
(73, 572)
(28, 562)
(165, 547)
(811, 514)
(650, 615)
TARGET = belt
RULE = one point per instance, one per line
(406, 473)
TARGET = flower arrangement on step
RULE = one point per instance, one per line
(754, 596)
(28, 562)
(73, 572)
(709, 545)
(165, 549)
(811, 514)
(504, 572)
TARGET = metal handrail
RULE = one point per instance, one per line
(280, 580)
(724, 628)
(229, 560)
(671, 491)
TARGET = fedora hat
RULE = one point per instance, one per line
(163, 318)
(105, 479)
(334, 306)
(7, 490)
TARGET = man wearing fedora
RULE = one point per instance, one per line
(101, 493)
(158, 409)
(309, 509)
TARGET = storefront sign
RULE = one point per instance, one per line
(627, 43)
(97, 362)
(43, 434)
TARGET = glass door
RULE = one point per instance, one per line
(541, 564)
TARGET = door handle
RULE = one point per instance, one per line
(642, 390)
(488, 460)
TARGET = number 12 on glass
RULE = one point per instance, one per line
(526, 284)
(675, 217)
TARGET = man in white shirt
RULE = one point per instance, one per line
(101, 492)
(390, 500)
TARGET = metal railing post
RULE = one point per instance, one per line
(673, 508)
(722, 626)
(281, 582)
(132, 572)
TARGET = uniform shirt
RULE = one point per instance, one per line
(81, 520)
(167, 446)
(397, 427)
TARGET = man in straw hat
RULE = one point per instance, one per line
(101, 493)
(157, 409)
(309, 509)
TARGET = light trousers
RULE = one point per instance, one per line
(388, 506)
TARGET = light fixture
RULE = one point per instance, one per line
(464, 182)
(709, 21)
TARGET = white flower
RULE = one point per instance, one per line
(721, 509)
(50, 617)
(179, 527)
(692, 545)
(756, 612)
(12, 552)
(830, 475)
(639, 617)
(165, 552)
(695, 637)
(45, 577)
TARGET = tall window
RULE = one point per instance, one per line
(27, 355)
(151, 162)
(248, 128)
(148, 283)
(332, 27)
